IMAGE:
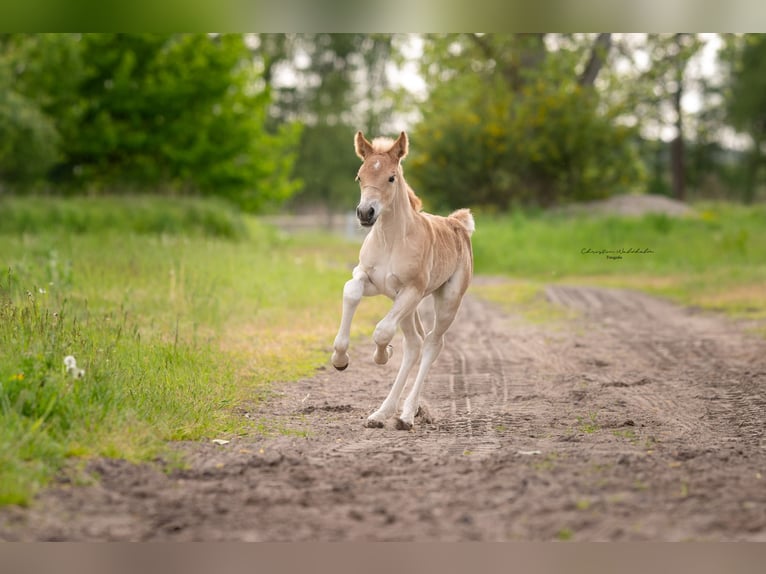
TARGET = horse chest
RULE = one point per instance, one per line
(385, 280)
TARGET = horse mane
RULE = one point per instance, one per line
(415, 202)
(382, 145)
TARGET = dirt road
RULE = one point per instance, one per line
(637, 420)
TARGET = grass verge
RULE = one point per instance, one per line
(715, 259)
(174, 326)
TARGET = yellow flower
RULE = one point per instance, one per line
(17, 377)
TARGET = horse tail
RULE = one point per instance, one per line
(465, 218)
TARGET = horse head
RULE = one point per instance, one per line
(380, 177)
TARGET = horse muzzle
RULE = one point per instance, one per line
(367, 215)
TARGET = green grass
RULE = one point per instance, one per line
(564, 534)
(588, 425)
(628, 434)
(174, 327)
(716, 259)
(125, 214)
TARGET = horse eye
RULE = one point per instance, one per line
(391, 179)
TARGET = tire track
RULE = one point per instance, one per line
(662, 337)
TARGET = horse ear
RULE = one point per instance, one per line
(400, 147)
(362, 146)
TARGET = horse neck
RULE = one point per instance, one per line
(393, 225)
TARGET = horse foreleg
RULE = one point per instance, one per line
(405, 304)
(355, 288)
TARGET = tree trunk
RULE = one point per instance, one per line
(751, 174)
(678, 169)
(677, 152)
(598, 55)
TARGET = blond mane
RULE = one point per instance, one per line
(415, 202)
(382, 145)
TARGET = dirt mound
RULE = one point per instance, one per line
(639, 420)
(632, 205)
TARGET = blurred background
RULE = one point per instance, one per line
(497, 121)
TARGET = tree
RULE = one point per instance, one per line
(335, 84)
(650, 82)
(746, 101)
(184, 113)
(517, 119)
(39, 75)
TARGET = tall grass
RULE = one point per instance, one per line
(716, 258)
(121, 214)
(174, 327)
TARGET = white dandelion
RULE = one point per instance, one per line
(71, 367)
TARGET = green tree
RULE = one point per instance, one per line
(39, 74)
(513, 119)
(654, 93)
(336, 85)
(746, 101)
(185, 112)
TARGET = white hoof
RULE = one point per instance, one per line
(340, 360)
(382, 358)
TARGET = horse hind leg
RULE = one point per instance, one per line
(412, 347)
(446, 305)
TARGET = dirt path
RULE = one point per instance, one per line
(638, 420)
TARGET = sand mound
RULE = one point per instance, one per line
(632, 205)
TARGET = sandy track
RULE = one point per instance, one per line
(638, 420)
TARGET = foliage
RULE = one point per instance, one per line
(646, 87)
(181, 113)
(38, 103)
(338, 86)
(259, 118)
(28, 140)
(498, 132)
(746, 101)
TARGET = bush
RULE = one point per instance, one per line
(547, 143)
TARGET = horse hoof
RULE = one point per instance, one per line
(340, 362)
(401, 425)
(373, 424)
(382, 359)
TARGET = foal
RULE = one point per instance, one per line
(407, 256)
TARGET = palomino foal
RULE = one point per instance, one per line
(407, 256)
